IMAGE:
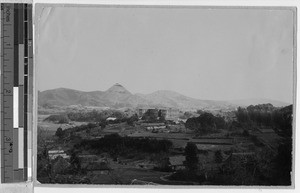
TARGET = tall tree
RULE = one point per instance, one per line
(191, 157)
(59, 133)
(218, 156)
(75, 162)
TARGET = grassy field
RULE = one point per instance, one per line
(51, 126)
(221, 141)
(143, 133)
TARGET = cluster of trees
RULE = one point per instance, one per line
(266, 115)
(115, 144)
(260, 168)
(264, 169)
(55, 170)
(205, 123)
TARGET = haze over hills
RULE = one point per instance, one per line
(118, 97)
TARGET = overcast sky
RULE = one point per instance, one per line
(219, 54)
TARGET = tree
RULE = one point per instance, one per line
(161, 116)
(218, 156)
(283, 163)
(102, 124)
(192, 123)
(44, 165)
(242, 115)
(191, 158)
(59, 133)
(164, 164)
(200, 112)
(75, 162)
(246, 133)
(132, 119)
(60, 165)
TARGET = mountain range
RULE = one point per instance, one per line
(118, 97)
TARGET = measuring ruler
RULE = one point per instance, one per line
(16, 90)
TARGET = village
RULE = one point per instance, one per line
(219, 154)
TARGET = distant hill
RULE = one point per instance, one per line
(175, 100)
(119, 97)
(247, 102)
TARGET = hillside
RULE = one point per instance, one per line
(175, 100)
(119, 97)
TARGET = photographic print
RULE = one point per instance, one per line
(165, 95)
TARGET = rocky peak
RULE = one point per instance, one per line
(118, 88)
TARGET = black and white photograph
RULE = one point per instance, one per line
(165, 95)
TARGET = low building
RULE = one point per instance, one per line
(153, 126)
(172, 114)
(166, 113)
(111, 119)
(176, 128)
(141, 112)
(179, 120)
(177, 162)
(55, 153)
(158, 128)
